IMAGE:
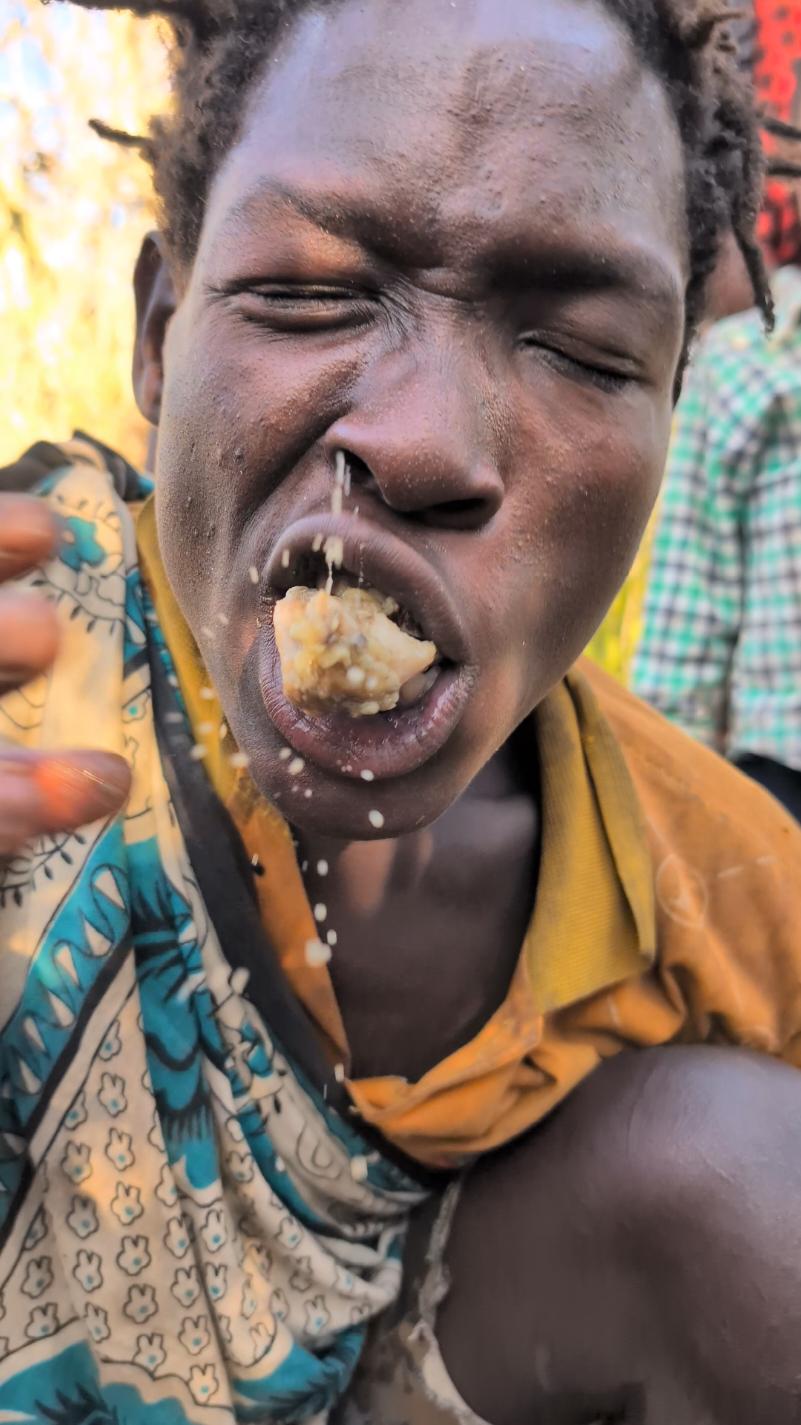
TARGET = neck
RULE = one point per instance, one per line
(430, 925)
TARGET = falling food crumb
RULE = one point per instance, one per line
(320, 911)
(223, 731)
(198, 752)
(307, 794)
(239, 980)
(376, 820)
(339, 1073)
(280, 1165)
(296, 767)
(205, 728)
(317, 953)
(322, 868)
(367, 775)
(340, 476)
(331, 937)
(285, 754)
(255, 862)
(285, 559)
(254, 574)
(208, 694)
(334, 551)
(359, 1168)
(239, 759)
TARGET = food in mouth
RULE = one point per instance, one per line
(344, 649)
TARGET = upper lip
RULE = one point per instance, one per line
(388, 563)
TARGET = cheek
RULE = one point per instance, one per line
(240, 413)
(576, 517)
(605, 512)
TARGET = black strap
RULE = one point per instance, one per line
(225, 879)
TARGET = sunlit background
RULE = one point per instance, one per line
(73, 209)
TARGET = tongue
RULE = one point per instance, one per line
(417, 687)
(341, 651)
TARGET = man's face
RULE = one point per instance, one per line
(450, 243)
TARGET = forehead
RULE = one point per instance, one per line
(454, 118)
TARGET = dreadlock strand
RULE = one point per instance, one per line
(120, 137)
(780, 129)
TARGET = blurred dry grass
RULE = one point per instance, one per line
(73, 209)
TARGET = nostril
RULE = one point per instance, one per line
(359, 472)
(458, 514)
(416, 483)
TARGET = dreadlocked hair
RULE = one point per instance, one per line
(219, 48)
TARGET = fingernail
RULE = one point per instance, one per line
(106, 779)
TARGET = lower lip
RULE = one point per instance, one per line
(388, 744)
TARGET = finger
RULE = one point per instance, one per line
(20, 806)
(78, 787)
(50, 792)
(28, 637)
(29, 533)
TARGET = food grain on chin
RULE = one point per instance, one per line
(341, 651)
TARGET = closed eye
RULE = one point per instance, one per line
(608, 378)
(299, 307)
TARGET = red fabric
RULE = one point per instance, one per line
(778, 84)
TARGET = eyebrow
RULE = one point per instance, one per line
(328, 211)
(636, 271)
(626, 268)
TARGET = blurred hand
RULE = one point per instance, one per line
(41, 791)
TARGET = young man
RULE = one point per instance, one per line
(456, 249)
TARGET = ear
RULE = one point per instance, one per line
(155, 303)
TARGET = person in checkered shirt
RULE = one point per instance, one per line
(721, 648)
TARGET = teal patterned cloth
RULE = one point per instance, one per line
(193, 1229)
(721, 648)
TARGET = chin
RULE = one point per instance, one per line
(349, 778)
(317, 801)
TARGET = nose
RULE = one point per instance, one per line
(420, 433)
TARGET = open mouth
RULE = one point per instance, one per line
(345, 646)
(365, 662)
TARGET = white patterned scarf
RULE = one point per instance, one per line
(193, 1230)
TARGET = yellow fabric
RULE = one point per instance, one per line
(593, 844)
(668, 907)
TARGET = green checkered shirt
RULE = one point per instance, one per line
(721, 650)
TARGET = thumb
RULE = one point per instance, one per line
(75, 788)
(43, 793)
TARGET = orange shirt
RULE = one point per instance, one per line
(668, 907)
